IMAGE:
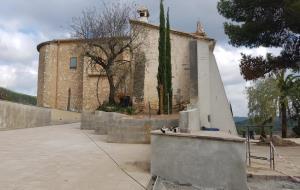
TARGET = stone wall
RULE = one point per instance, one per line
(47, 76)
(180, 65)
(89, 94)
(55, 58)
(139, 81)
(56, 80)
(41, 77)
(69, 79)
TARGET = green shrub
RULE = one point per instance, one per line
(297, 130)
(11, 96)
(116, 108)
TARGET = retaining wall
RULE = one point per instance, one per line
(64, 117)
(133, 130)
(99, 121)
(208, 162)
(16, 116)
(121, 128)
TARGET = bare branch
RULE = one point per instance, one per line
(108, 36)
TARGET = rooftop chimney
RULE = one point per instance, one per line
(143, 14)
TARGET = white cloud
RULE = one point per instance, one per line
(18, 57)
(16, 46)
(23, 25)
(19, 77)
(7, 76)
(228, 59)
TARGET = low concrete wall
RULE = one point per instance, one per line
(64, 117)
(99, 121)
(121, 128)
(17, 116)
(87, 121)
(133, 130)
(203, 161)
(106, 121)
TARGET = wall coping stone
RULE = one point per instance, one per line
(212, 135)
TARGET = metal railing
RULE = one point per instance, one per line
(250, 155)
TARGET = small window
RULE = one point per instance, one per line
(73, 63)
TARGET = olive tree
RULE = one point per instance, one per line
(108, 40)
(263, 100)
(278, 93)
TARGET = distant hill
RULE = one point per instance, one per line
(12, 96)
(239, 119)
(244, 121)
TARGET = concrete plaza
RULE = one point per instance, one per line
(67, 158)
(63, 157)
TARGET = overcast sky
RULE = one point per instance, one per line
(26, 23)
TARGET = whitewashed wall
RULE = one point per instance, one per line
(221, 114)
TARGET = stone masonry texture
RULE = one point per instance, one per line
(75, 89)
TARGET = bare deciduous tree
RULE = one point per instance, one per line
(107, 36)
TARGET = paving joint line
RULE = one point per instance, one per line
(115, 162)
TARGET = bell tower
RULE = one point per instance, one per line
(143, 14)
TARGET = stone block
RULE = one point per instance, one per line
(105, 120)
(189, 121)
(87, 120)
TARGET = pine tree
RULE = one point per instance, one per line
(169, 90)
(161, 75)
(268, 24)
(264, 23)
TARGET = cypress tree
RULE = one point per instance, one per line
(169, 90)
(161, 75)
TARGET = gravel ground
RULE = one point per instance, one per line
(263, 184)
(253, 184)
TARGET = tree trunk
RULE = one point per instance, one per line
(161, 97)
(283, 119)
(112, 88)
